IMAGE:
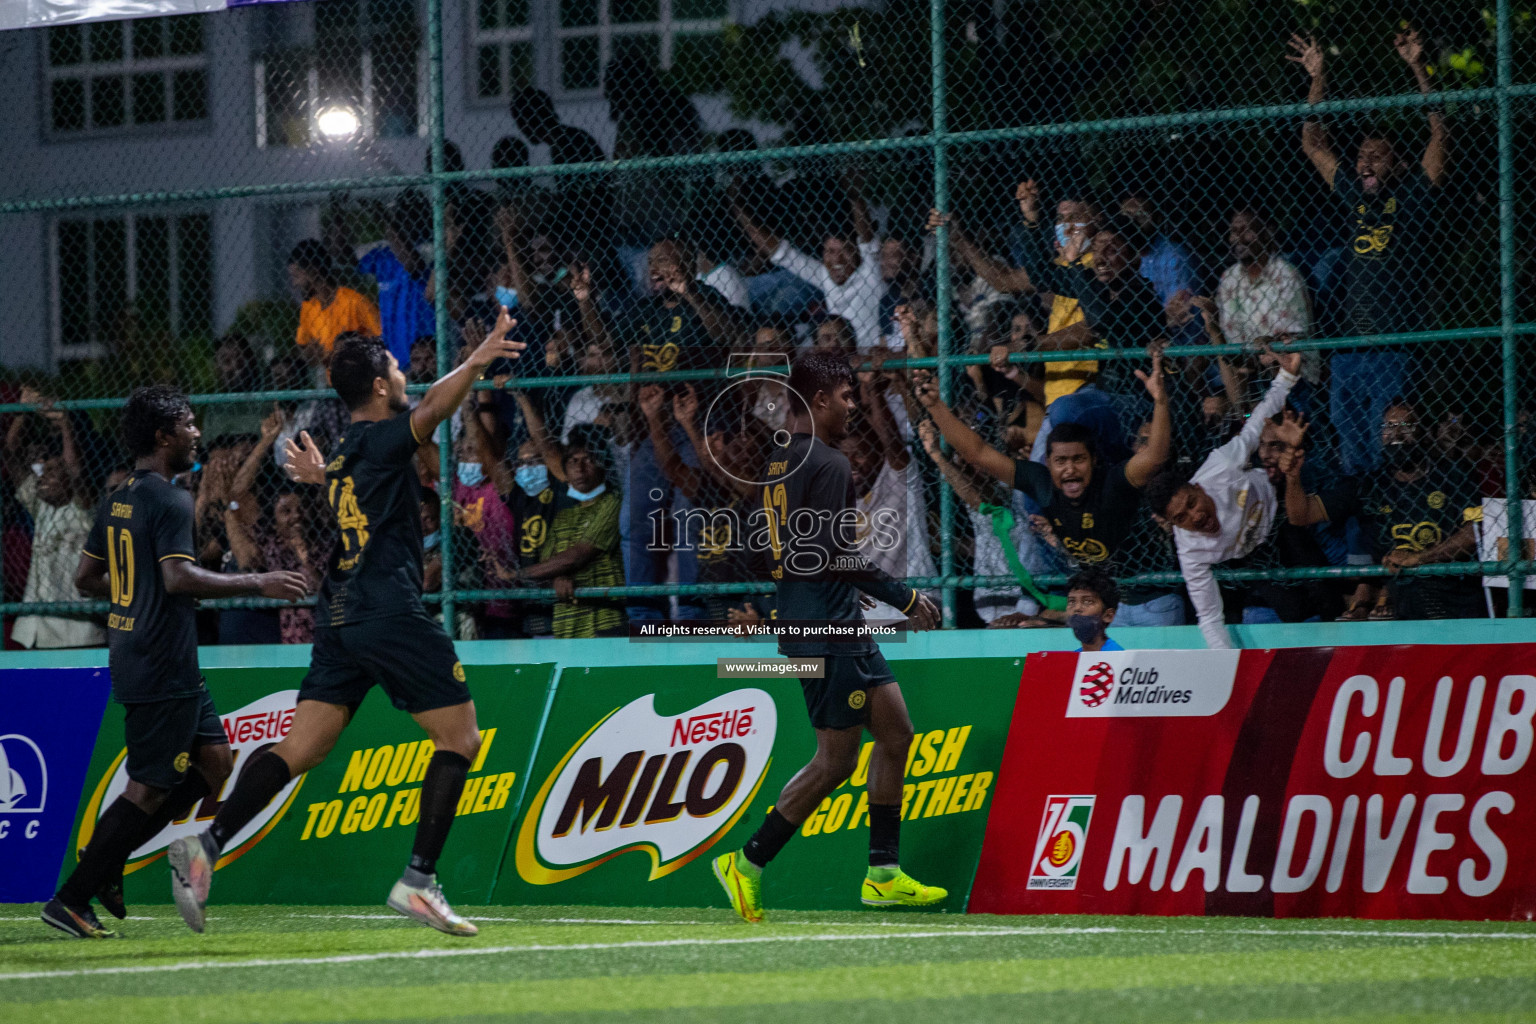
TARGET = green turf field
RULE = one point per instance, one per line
(274, 964)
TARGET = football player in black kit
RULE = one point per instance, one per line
(370, 625)
(140, 557)
(809, 502)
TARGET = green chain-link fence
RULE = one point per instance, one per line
(683, 194)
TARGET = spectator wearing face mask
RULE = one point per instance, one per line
(481, 486)
(534, 501)
(431, 542)
(1119, 310)
(1092, 599)
(582, 549)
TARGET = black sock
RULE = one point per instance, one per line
(117, 835)
(178, 802)
(884, 835)
(769, 839)
(262, 780)
(440, 792)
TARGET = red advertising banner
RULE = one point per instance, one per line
(1376, 782)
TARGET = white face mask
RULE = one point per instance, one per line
(37, 469)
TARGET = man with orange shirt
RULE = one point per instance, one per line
(329, 310)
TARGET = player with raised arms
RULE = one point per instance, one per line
(371, 626)
(140, 557)
(812, 534)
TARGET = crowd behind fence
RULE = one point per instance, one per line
(1064, 249)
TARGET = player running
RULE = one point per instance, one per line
(140, 557)
(371, 627)
(809, 502)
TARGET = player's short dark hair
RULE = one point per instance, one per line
(1099, 582)
(1073, 433)
(356, 363)
(150, 410)
(1162, 487)
(819, 371)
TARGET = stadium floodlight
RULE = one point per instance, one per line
(338, 123)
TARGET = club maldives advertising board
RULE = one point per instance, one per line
(1373, 782)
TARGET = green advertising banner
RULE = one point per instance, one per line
(644, 773)
(341, 834)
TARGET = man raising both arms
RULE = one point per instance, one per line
(1226, 509)
(370, 625)
(140, 556)
(1091, 506)
(812, 534)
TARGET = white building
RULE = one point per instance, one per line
(230, 99)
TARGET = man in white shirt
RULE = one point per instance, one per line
(1260, 295)
(1225, 510)
(848, 272)
(52, 494)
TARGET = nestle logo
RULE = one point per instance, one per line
(270, 725)
(718, 725)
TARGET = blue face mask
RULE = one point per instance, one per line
(1087, 628)
(532, 479)
(1064, 233)
(507, 297)
(429, 541)
(586, 495)
(471, 474)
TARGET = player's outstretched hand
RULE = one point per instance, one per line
(924, 614)
(306, 462)
(286, 586)
(496, 344)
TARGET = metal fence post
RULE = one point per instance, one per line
(445, 347)
(1514, 495)
(941, 263)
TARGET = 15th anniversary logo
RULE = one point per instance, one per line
(670, 785)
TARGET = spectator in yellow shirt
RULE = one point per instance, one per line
(329, 310)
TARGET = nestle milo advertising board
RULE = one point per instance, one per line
(645, 773)
(341, 833)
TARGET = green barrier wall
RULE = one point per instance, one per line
(342, 835)
(952, 764)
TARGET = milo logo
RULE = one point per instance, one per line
(668, 785)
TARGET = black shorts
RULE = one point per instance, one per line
(162, 736)
(408, 655)
(840, 700)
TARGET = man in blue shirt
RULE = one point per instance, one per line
(1166, 264)
(1092, 598)
(404, 311)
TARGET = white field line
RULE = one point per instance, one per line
(622, 920)
(434, 954)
